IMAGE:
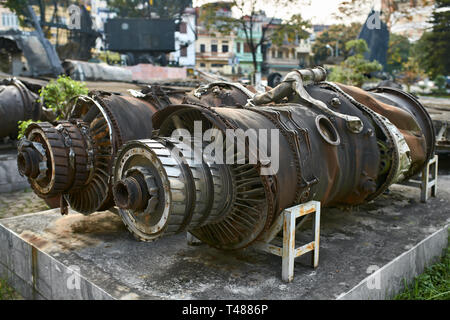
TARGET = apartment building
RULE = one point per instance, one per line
(242, 49)
(185, 42)
(214, 51)
(8, 20)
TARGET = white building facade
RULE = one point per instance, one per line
(184, 54)
(8, 20)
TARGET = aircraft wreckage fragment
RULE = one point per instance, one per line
(336, 144)
(19, 102)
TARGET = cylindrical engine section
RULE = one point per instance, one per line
(17, 103)
(410, 119)
(77, 155)
(159, 188)
(219, 94)
(251, 211)
(54, 158)
(114, 120)
(316, 157)
(421, 131)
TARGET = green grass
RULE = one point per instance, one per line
(6, 292)
(433, 284)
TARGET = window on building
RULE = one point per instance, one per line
(247, 48)
(183, 51)
(214, 48)
(217, 65)
(202, 48)
(183, 27)
(202, 65)
(280, 54)
(274, 53)
(238, 47)
(224, 48)
(10, 20)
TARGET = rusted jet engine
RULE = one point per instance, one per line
(74, 158)
(17, 103)
(335, 143)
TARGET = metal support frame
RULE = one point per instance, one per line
(287, 222)
(192, 240)
(427, 187)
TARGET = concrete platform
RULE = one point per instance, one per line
(47, 256)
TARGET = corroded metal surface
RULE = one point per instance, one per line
(334, 144)
(17, 103)
(337, 145)
(74, 157)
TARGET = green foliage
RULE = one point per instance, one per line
(359, 46)
(6, 292)
(441, 83)
(212, 19)
(398, 53)
(55, 95)
(339, 33)
(355, 69)
(433, 48)
(215, 17)
(433, 284)
(290, 31)
(411, 72)
(23, 125)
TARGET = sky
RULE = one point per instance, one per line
(317, 11)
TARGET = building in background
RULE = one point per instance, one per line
(185, 42)
(242, 49)
(214, 51)
(8, 20)
(283, 58)
(100, 13)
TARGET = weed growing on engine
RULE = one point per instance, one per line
(56, 96)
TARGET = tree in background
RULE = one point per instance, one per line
(355, 69)
(433, 48)
(411, 73)
(441, 83)
(338, 34)
(351, 8)
(250, 17)
(19, 7)
(398, 53)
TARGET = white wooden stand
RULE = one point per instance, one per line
(287, 222)
(428, 183)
